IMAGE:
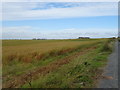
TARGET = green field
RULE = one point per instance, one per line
(72, 63)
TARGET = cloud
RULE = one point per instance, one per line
(27, 32)
(20, 32)
(33, 11)
(60, 0)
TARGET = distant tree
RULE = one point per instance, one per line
(34, 38)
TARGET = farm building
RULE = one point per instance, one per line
(83, 37)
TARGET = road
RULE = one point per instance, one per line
(111, 70)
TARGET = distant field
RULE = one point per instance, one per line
(53, 63)
(25, 47)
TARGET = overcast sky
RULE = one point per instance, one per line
(59, 20)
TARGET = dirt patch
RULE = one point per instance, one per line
(32, 75)
(107, 77)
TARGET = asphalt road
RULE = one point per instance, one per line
(111, 70)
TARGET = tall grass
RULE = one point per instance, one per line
(81, 72)
(16, 64)
(38, 49)
(108, 45)
(41, 56)
(12, 66)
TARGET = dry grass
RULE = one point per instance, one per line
(37, 50)
(43, 57)
(17, 82)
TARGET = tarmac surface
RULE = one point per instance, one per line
(111, 70)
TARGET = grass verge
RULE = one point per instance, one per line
(82, 72)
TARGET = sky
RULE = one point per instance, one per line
(59, 20)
